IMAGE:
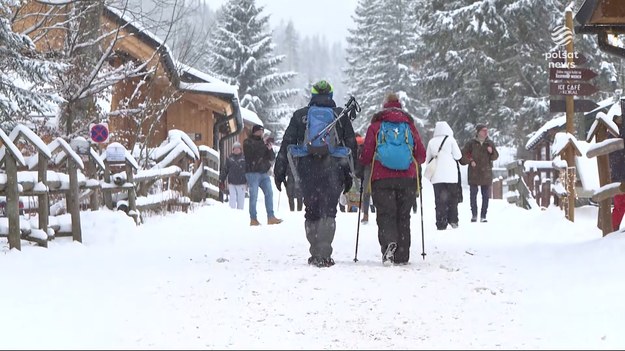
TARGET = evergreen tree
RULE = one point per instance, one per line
(381, 52)
(361, 43)
(241, 53)
(26, 78)
(484, 62)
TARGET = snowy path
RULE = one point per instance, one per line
(208, 280)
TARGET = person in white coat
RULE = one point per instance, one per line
(444, 147)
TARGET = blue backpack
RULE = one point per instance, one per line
(325, 141)
(394, 145)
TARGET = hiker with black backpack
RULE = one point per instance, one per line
(394, 150)
(317, 145)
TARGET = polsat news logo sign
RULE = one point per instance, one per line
(563, 36)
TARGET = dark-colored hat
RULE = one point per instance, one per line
(480, 126)
(322, 87)
(257, 128)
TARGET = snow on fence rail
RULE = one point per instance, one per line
(82, 173)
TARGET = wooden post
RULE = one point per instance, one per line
(604, 220)
(12, 206)
(132, 197)
(72, 199)
(43, 199)
(497, 192)
(570, 128)
(91, 171)
(107, 195)
(545, 200)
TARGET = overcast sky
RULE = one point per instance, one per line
(331, 18)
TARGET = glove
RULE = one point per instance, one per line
(348, 184)
(279, 181)
(222, 186)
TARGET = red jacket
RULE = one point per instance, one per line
(391, 114)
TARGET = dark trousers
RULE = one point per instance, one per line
(446, 201)
(321, 184)
(393, 200)
(485, 190)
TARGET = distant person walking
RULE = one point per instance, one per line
(479, 153)
(234, 171)
(259, 157)
(444, 147)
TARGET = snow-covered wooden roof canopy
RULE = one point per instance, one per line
(199, 87)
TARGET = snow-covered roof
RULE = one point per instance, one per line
(32, 137)
(210, 85)
(250, 116)
(8, 143)
(65, 149)
(602, 118)
(561, 140)
(557, 122)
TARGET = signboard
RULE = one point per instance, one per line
(115, 152)
(579, 105)
(99, 132)
(572, 89)
(571, 73)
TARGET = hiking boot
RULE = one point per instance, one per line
(365, 219)
(474, 219)
(321, 262)
(483, 220)
(254, 222)
(454, 225)
(274, 220)
(389, 254)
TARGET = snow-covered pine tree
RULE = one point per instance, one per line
(241, 53)
(380, 55)
(360, 48)
(484, 62)
(460, 75)
(26, 78)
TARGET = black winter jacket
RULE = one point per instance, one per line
(258, 157)
(234, 170)
(295, 133)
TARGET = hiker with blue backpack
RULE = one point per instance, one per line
(318, 144)
(394, 150)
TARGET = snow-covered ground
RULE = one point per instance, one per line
(207, 280)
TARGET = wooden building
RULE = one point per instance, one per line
(176, 96)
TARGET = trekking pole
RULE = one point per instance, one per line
(358, 225)
(421, 204)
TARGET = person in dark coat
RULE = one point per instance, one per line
(234, 171)
(258, 159)
(293, 192)
(479, 153)
(322, 178)
(394, 192)
(617, 174)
